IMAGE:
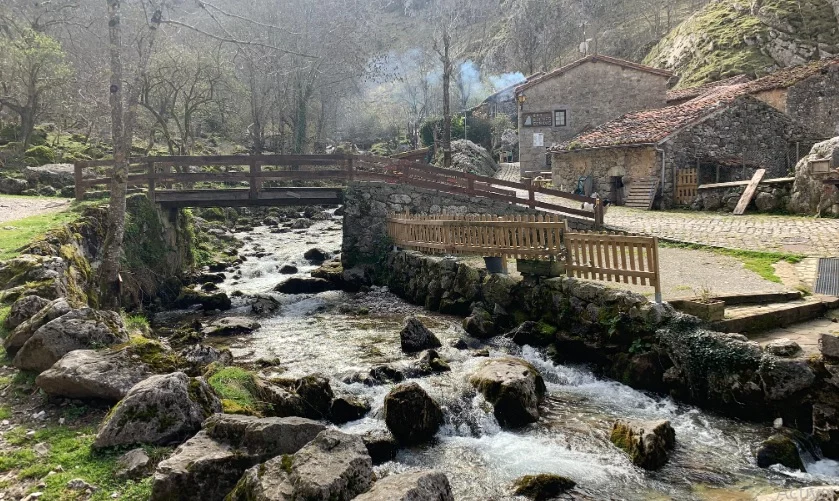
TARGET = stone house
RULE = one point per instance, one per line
(679, 96)
(502, 102)
(721, 136)
(578, 97)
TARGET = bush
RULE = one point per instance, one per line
(40, 155)
(479, 130)
(9, 133)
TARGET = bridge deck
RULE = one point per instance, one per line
(245, 197)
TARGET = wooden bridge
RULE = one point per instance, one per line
(258, 180)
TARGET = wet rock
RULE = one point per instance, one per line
(530, 333)
(479, 323)
(514, 388)
(264, 304)
(829, 346)
(647, 443)
(208, 302)
(779, 449)
(339, 211)
(356, 278)
(271, 221)
(416, 337)
(381, 445)
(301, 224)
(415, 486)
(160, 410)
(21, 334)
(300, 285)
(316, 255)
(199, 355)
(309, 396)
(346, 409)
(820, 493)
(25, 308)
(542, 486)
(213, 278)
(230, 326)
(411, 415)
(459, 344)
(88, 374)
(288, 269)
(783, 378)
(431, 362)
(207, 466)
(334, 466)
(783, 347)
(133, 464)
(75, 330)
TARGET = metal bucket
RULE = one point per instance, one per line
(494, 264)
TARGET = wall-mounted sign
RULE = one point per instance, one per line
(538, 140)
(544, 119)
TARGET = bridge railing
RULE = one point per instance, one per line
(156, 174)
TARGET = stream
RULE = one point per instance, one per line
(339, 333)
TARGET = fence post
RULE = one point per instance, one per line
(151, 181)
(531, 195)
(254, 181)
(350, 169)
(470, 184)
(79, 179)
(657, 271)
(598, 214)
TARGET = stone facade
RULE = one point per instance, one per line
(603, 164)
(813, 101)
(772, 195)
(591, 93)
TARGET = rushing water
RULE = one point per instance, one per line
(336, 333)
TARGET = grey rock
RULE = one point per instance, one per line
(288, 269)
(783, 378)
(21, 334)
(347, 408)
(199, 355)
(646, 443)
(89, 374)
(829, 346)
(415, 337)
(230, 326)
(160, 410)
(381, 445)
(411, 415)
(13, 186)
(514, 388)
(309, 396)
(431, 362)
(25, 308)
(264, 305)
(262, 437)
(414, 486)
(133, 464)
(301, 285)
(75, 330)
(779, 449)
(334, 466)
(783, 347)
(480, 323)
(316, 256)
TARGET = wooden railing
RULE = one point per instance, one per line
(595, 256)
(156, 174)
(522, 237)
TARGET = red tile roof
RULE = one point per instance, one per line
(651, 126)
(692, 92)
(787, 77)
(592, 59)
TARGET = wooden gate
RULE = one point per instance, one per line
(686, 184)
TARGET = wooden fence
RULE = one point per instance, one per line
(593, 256)
(157, 176)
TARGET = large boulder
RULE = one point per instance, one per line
(103, 375)
(470, 157)
(75, 330)
(480, 323)
(160, 410)
(207, 466)
(208, 302)
(414, 486)
(780, 449)
(646, 443)
(301, 285)
(315, 255)
(334, 466)
(531, 333)
(411, 414)
(809, 194)
(416, 337)
(309, 396)
(345, 409)
(381, 445)
(55, 175)
(25, 308)
(542, 486)
(820, 493)
(24, 330)
(230, 326)
(514, 388)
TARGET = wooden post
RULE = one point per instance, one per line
(598, 214)
(151, 181)
(531, 195)
(657, 271)
(79, 179)
(470, 184)
(255, 167)
(350, 169)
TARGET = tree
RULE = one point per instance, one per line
(123, 116)
(32, 68)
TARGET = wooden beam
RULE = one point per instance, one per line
(749, 193)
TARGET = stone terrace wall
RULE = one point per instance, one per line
(772, 195)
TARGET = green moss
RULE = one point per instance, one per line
(287, 462)
(236, 386)
(5, 412)
(152, 353)
(24, 231)
(40, 155)
(542, 486)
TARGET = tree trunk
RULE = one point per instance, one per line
(27, 125)
(447, 111)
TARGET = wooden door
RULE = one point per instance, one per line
(686, 183)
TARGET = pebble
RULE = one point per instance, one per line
(61, 421)
(39, 415)
(5, 422)
(41, 449)
(30, 433)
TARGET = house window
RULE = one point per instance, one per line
(560, 118)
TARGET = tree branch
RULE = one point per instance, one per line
(239, 42)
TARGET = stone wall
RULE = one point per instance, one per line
(630, 163)
(592, 94)
(810, 195)
(815, 102)
(772, 195)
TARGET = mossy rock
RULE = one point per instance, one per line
(40, 155)
(779, 449)
(542, 486)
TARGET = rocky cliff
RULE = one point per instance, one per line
(730, 37)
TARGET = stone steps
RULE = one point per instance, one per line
(754, 319)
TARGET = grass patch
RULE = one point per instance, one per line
(25, 231)
(756, 261)
(236, 388)
(71, 449)
(4, 314)
(5, 412)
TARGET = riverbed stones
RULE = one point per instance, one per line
(542, 486)
(230, 326)
(513, 386)
(531, 333)
(21, 334)
(303, 285)
(309, 396)
(200, 355)
(333, 466)
(381, 445)
(25, 308)
(90, 374)
(779, 449)
(288, 269)
(647, 443)
(411, 414)
(264, 304)
(820, 493)
(208, 302)
(431, 362)
(829, 346)
(347, 408)
(160, 410)
(784, 378)
(427, 485)
(75, 330)
(133, 464)
(207, 466)
(480, 322)
(316, 255)
(783, 347)
(415, 336)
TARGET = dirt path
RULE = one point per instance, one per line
(13, 208)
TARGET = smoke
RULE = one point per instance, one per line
(505, 80)
(469, 82)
